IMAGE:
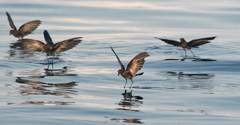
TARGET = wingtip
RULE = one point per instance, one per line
(45, 32)
(159, 38)
(78, 38)
(39, 21)
(112, 49)
(7, 13)
(213, 37)
(147, 54)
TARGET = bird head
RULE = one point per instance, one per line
(120, 71)
(11, 32)
(182, 40)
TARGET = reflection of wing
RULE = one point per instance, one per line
(30, 44)
(119, 61)
(29, 27)
(11, 21)
(47, 37)
(172, 42)
(201, 41)
(137, 63)
(67, 44)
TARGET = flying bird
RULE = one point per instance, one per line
(133, 66)
(24, 30)
(49, 47)
(188, 45)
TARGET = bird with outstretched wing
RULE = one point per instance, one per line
(49, 47)
(133, 66)
(24, 30)
(188, 45)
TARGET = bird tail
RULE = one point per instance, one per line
(139, 74)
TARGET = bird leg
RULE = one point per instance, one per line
(192, 53)
(185, 53)
(125, 83)
(48, 63)
(131, 84)
(52, 63)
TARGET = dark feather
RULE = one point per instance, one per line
(66, 44)
(30, 44)
(197, 43)
(119, 61)
(201, 41)
(11, 23)
(171, 42)
(29, 27)
(136, 63)
(139, 74)
(47, 38)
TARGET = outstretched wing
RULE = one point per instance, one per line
(29, 27)
(11, 23)
(201, 41)
(30, 44)
(119, 61)
(47, 37)
(136, 63)
(67, 44)
(172, 42)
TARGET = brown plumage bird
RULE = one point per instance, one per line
(24, 30)
(133, 66)
(188, 45)
(50, 48)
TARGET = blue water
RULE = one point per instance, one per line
(130, 27)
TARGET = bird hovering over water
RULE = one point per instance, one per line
(188, 45)
(133, 66)
(50, 48)
(24, 30)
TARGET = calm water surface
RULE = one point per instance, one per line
(130, 27)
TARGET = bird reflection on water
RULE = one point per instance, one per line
(58, 72)
(34, 87)
(128, 120)
(130, 102)
(20, 53)
(182, 75)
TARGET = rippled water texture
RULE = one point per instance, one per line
(89, 92)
